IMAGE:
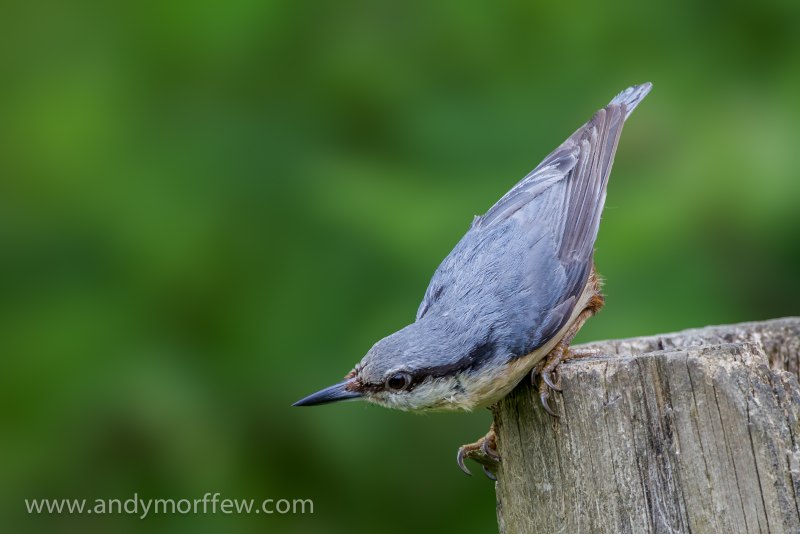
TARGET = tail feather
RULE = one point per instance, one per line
(631, 97)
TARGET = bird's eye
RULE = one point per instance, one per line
(398, 381)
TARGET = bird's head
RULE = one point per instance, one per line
(421, 367)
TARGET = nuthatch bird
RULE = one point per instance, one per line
(508, 299)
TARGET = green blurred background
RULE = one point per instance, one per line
(209, 210)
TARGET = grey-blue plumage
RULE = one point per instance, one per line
(508, 288)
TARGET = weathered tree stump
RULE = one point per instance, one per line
(695, 431)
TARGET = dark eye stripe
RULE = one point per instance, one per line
(478, 355)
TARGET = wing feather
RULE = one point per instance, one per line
(554, 211)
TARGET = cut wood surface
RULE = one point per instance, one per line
(695, 431)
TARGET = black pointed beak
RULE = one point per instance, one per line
(336, 392)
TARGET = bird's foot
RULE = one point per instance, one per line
(542, 376)
(543, 372)
(483, 451)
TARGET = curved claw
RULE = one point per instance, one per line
(460, 461)
(488, 473)
(544, 395)
(490, 452)
(547, 376)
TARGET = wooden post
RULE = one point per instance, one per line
(697, 431)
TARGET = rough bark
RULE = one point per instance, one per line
(695, 431)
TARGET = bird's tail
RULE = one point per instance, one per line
(631, 97)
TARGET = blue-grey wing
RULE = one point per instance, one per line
(527, 259)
